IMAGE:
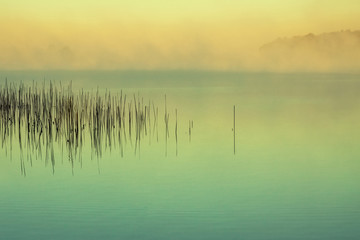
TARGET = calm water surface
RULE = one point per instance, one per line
(295, 174)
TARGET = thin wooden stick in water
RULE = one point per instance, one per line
(166, 127)
(234, 129)
(176, 138)
(189, 131)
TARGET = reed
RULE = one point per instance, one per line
(47, 114)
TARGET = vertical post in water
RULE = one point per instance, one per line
(176, 133)
(234, 129)
(166, 127)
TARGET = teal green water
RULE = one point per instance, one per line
(295, 174)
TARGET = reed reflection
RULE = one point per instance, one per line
(48, 115)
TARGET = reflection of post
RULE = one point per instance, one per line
(234, 129)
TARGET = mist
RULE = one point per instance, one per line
(198, 46)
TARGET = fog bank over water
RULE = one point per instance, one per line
(326, 52)
(335, 51)
(180, 35)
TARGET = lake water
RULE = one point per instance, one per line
(294, 174)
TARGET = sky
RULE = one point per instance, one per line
(158, 34)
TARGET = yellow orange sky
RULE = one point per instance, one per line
(157, 34)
